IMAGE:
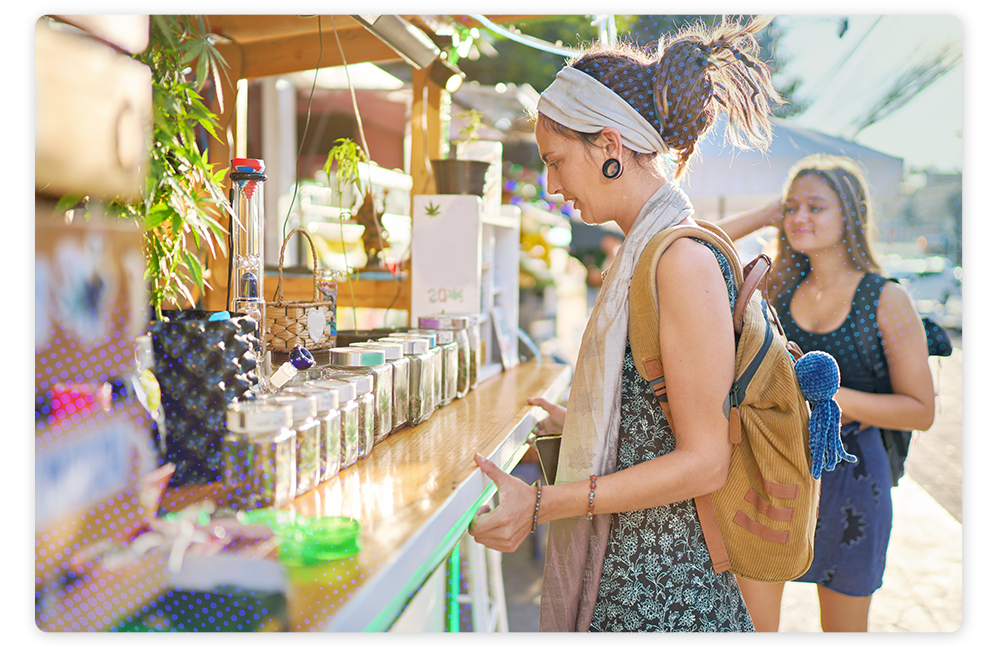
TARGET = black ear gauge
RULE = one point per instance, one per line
(612, 168)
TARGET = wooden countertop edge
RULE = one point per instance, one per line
(438, 534)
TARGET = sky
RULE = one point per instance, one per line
(844, 74)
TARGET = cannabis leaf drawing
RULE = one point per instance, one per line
(432, 210)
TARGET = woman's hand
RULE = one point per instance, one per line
(746, 223)
(775, 213)
(506, 526)
(553, 424)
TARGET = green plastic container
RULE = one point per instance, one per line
(308, 540)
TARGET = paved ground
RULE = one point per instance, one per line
(922, 589)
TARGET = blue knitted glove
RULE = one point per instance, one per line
(819, 380)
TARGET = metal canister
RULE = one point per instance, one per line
(400, 378)
(258, 454)
(328, 414)
(350, 444)
(306, 428)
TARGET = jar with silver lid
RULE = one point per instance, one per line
(437, 360)
(365, 398)
(306, 438)
(350, 444)
(449, 363)
(458, 326)
(421, 378)
(328, 414)
(400, 378)
(371, 362)
(258, 454)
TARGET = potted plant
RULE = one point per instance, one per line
(463, 174)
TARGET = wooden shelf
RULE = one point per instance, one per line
(414, 497)
(377, 294)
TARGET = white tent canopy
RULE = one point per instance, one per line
(724, 180)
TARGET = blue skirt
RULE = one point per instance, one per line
(855, 518)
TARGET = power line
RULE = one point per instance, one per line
(833, 71)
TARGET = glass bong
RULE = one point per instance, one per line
(247, 256)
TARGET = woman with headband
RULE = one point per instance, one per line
(625, 549)
(825, 272)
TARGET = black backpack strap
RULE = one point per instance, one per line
(867, 340)
(864, 329)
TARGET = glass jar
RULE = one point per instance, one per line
(307, 375)
(328, 414)
(350, 443)
(400, 378)
(326, 284)
(258, 454)
(421, 378)
(436, 360)
(306, 428)
(449, 363)
(365, 398)
(475, 350)
(372, 363)
(458, 326)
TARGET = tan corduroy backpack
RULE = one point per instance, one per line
(760, 525)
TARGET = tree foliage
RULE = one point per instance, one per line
(518, 63)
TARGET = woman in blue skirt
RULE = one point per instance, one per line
(827, 284)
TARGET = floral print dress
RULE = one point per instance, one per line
(658, 574)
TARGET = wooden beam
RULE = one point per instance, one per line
(437, 146)
(287, 54)
(248, 28)
(419, 167)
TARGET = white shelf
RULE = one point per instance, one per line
(502, 220)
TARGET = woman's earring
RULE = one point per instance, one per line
(612, 168)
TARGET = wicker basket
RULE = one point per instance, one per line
(299, 322)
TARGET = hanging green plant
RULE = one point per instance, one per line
(470, 132)
(182, 191)
(348, 155)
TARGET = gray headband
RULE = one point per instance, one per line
(578, 101)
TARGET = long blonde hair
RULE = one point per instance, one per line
(847, 178)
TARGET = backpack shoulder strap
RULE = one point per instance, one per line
(864, 330)
(644, 309)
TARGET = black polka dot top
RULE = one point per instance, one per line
(842, 343)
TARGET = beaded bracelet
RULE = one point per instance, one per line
(593, 486)
(538, 504)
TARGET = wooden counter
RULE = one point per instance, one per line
(414, 497)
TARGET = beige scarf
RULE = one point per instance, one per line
(575, 555)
